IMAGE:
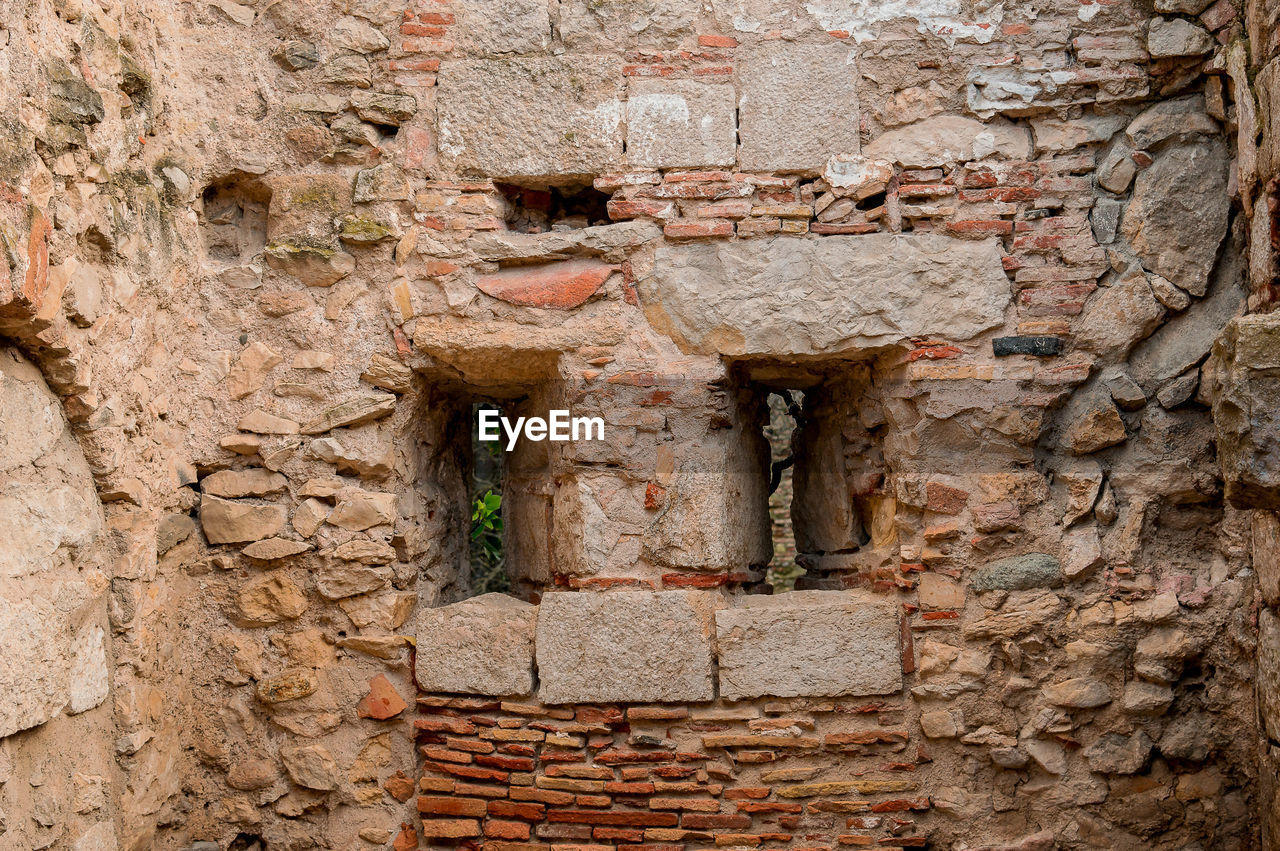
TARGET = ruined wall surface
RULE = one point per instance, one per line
(268, 254)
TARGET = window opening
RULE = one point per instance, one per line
(485, 542)
(785, 408)
(553, 208)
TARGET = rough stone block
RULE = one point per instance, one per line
(637, 646)
(560, 117)
(503, 26)
(788, 296)
(1245, 411)
(680, 123)
(479, 646)
(798, 106)
(808, 644)
(946, 139)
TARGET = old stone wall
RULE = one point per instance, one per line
(268, 255)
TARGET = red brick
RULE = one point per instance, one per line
(561, 285)
(979, 227)
(441, 805)
(382, 701)
(430, 30)
(444, 724)
(618, 834)
(901, 805)
(826, 228)
(497, 829)
(468, 772)
(445, 755)
(406, 839)
(944, 499)
(469, 745)
(866, 737)
(629, 788)
(399, 786)
(691, 580)
(449, 828)
(545, 796)
(515, 846)
(768, 807)
(511, 809)
(743, 792)
(593, 801)
(509, 763)
(623, 209)
(708, 821)
(717, 41)
(638, 819)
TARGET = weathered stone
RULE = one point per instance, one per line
(292, 684)
(1118, 316)
(479, 646)
(494, 27)
(1096, 428)
(1177, 216)
(786, 296)
(308, 516)
(1018, 573)
(1082, 552)
(1179, 391)
(1057, 135)
(383, 108)
(386, 609)
(384, 182)
(634, 646)
(941, 724)
(251, 774)
(270, 599)
(1079, 693)
(227, 522)
(272, 549)
(589, 25)
(1126, 393)
(371, 461)
(314, 266)
(365, 551)
(1179, 119)
(389, 374)
(88, 686)
(680, 124)
(1176, 37)
(795, 105)
(1167, 294)
(172, 530)
(560, 286)
(355, 35)
(1117, 754)
(1266, 554)
(1116, 168)
(250, 369)
(296, 56)
(563, 116)
(311, 766)
(808, 644)
(1185, 340)
(936, 591)
(237, 483)
(947, 139)
(259, 421)
(357, 510)
(1245, 411)
(356, 411)
(1048, 755)
(334, 583)
(1146, 698)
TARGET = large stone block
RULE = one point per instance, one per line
(488, 27)
(808, 644)
(547, 118)
(479, 646)
(635, 646)
(680, 124)
(1246, 410)
(798, 105)
(789, 296)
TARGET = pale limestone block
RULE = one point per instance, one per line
(479, 646)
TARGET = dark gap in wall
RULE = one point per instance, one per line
(233, 218)
(485, 539)
(553, 208)
(784, 407)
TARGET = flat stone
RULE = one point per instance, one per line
(270, 599)
(365, 551)
(1079, 693)
(680, 123)
(1266, 554)
(479, 646)
(1058, 135)
(635, 646)
(1177, 215)
(383, 108)
(358, 411)
(607, 27)
(1018, 573)
(1269, 672)
(492, 27)
(259, 421)
(1177, 119)
(337, 582)
(232, 484)
(89, 685)
(1179, 391)
(272, 549)
(1126, 393)
(1146, 698)
(562, 116)
(291, 684)
(385, 609)
(1026, 345)
(384, 182)
(798, 105)
(946, 139)
(172, 530)
(228, 522)
(808, 644)
(1081, 552)
(789, 296)
(353, 34)
(559, 286)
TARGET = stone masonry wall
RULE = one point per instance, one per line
(267, 255)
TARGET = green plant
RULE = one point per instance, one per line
(486, 525)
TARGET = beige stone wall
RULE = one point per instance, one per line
(267, 254)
